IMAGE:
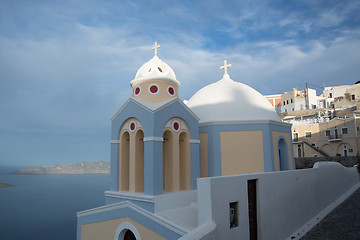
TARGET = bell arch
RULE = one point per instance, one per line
(131, 156)
(168, 161)
(124, 161)
(139, 161)
(176, 156)
(184, 157)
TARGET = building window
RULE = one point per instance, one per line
(234, 214)
(295, 137)
(353, 97)
(315, 155)
(330, 95)
(313, 144)
(299, 150)
(344, 131)
(327, 133)
(291, 100)
(308, 134)
(284, 103)
(287, 101)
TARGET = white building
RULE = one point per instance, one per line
(327, 98)
(296, 100)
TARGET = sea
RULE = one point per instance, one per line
(45, 206)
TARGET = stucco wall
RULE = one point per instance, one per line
(286, 200)
(106, 230)
(241, 152)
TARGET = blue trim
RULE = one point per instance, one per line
(194, 164)
(153, 176)
(149, 206)
(214, 144)
(153, 126)
(122, 213)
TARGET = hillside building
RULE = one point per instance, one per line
(296, 100)
(321, 135)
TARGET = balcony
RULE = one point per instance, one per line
(335, 138)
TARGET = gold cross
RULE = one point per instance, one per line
(225, 66)
(155, 48)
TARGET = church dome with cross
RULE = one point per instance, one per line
(155, 81)
(229, 101)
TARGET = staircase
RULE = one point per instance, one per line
(316, 149)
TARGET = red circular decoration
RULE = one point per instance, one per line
(132, 126)
(176, 126)
(154, 89)
(137, 91)
(171, 91)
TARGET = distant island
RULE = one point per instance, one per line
(4, 185)
(100, 167)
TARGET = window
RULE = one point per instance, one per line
(330, 95)
(287, 101)
(291, 100)
(284, 103)
(327, 133)
(353, 97)
(295, 137)
(313, 144)
(315, 155)
(234, 214)
(308, 134)
(344, 131)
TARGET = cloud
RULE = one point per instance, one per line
(65, 69)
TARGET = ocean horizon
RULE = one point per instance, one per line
(45, 206)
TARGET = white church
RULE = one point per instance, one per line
(219, 166)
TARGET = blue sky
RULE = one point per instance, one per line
(65, 66)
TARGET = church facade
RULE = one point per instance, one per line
(161, 146)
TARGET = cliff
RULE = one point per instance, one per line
(73, 168)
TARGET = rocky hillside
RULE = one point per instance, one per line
(73, 168)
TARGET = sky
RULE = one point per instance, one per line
(65, 66)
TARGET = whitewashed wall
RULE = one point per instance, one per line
(289, 202)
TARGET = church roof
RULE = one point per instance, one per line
(230, 101)
(155, 69)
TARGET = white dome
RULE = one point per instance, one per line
(230, 101)
(155, 69)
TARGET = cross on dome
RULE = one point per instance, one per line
(155, 48)
(226, 66)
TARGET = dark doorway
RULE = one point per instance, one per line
(252, 205)
(129, 235)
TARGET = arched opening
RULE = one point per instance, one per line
(126, 231)
(345, 150)
(184, 158)
(124, 162)
(299, 150)
(283, 155)
(139, 161)
(168, 161)
(129, 235)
